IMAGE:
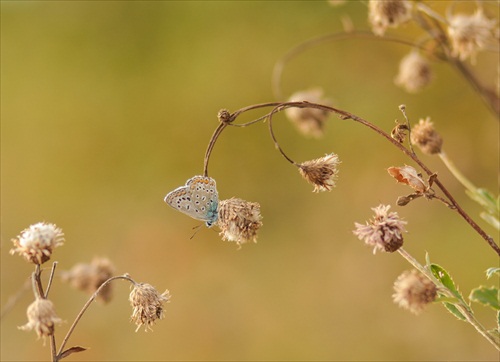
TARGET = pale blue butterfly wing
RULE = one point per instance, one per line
(198, 199)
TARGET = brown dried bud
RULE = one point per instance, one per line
(42, 318)
(426, 138)
(409, 176)
(388, 13)
(384, 232)
(414, 73)
(309, 121)
(239, 220)
(413, 291)
(399, 132)
(321, 172)
(89, 277)
(147, 304)
(37, 242)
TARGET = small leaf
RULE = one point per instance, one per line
(454, 310)
(71, 350)
(491, 271)
(444, 277)
(486, 296)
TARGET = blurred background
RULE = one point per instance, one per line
(107, 106)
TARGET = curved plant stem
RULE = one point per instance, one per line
(84, 309)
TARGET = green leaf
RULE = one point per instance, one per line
(444, 277)
(454, 310)
(486, 296)
(491, 271)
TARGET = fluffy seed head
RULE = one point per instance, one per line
(89, 277)
(414, 73)
(42, 318)
(471, 33)
(147, 304)
(425, 136)
(239, 220)
(37, 242)
(321, 172)
(309, 121)
(413, 291)
(388, 13)
(384, 232)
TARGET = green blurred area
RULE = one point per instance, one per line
(107, 106)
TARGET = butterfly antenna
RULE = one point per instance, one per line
(197, 229)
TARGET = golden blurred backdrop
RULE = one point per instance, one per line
(106, 106)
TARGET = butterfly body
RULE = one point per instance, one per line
(197, 199)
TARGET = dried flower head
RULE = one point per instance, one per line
(388, 13)
(424, 135)
(409, 176)
(470, 33)
(239, 220)
(384, 232)
(89, 277)
(309, 121)
(413, 291)
(414, 73)
(399, 132)
(147, 304)
(42, 318)
(37, 242)
(321, 172)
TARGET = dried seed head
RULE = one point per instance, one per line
(471, 33)
(309, 121)
(321, 172)
(399, 132)
(414, 73)
(89, 277)
(147, 304)
(426, 138)
(36, 243)
(239, 220)
(388, 13)
(409, 176)
(413, 291)
(42, 318)
(384, 232)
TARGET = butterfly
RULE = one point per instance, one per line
(198, 199)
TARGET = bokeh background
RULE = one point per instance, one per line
(106, 106)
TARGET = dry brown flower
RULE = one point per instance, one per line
(239, 220)
(321, 172)
(409, 176)
(309, 121)
(37, 242)
(42, 318)
(414, 73)
(388, 13)
(89, 277)
(471, 33)
(413, 291)
(147, 304)
(425, 136)
(384, 232)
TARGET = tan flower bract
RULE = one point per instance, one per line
(471, 33)
(384, 232)
(89, 277)
(147, 304)
(42, 318)
(414, 73)
(321, 172)
(36, 243)
(383, 14)
(239, 220)
(413, 291)
(309, 121)
(425, 136)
